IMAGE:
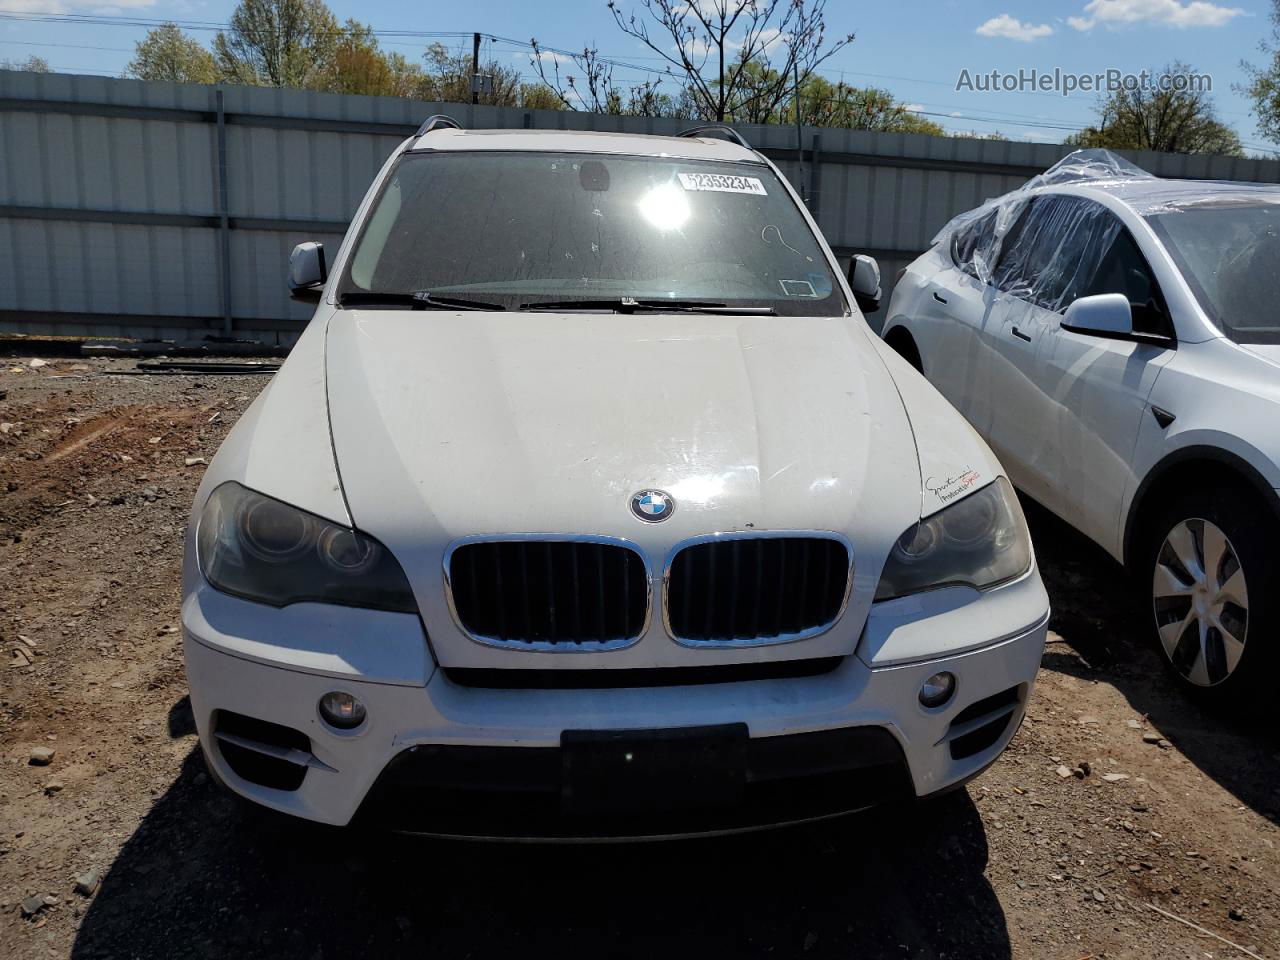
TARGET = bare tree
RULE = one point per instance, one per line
(590, 85)
(32, 64)
(755, 48)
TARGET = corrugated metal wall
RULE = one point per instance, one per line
(112, 215)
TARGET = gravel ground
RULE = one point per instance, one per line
(96, 476)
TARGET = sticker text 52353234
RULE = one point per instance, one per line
(722, 183)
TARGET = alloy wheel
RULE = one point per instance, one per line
(1201, 602)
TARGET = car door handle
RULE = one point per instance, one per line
(1020, 335)
(939, 298)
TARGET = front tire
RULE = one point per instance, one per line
(1209, 575)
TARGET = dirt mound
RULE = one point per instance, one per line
(56, 454)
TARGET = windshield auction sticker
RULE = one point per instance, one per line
(722, 183)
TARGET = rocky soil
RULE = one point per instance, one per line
(1116, 798)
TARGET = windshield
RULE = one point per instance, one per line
(1230, 254)
(517, 229)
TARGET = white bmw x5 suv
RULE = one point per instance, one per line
(587, 505)
(1115, 338)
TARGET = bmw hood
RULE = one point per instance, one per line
(448, 426)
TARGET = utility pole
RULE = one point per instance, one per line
(475, 68)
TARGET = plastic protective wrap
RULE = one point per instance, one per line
(1085, 165)
(1177, 199)
(1053, 252)
(1062, 234)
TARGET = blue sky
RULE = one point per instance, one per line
(916, 50)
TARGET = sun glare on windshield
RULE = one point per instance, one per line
(665, 206)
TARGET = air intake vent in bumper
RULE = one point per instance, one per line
(756, 589)
(264, 753)
(545, 594)
(980, 726)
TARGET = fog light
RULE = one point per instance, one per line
(937, 690)
(342, 710)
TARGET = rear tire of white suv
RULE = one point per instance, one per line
(1209, 577)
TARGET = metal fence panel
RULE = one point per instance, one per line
(111, 204)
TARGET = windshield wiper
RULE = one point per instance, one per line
(632, 305)
(422, 300)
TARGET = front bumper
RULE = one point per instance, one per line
(879, 738)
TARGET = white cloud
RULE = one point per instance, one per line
(35, 6)
(769, 38)
(699, 46)
(546, 56)
(1013, 29)
(696, 47)
(1172, 13)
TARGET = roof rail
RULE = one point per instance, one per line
(719, 129)
(437, 121)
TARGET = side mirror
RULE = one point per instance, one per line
(864, 278)
(307, 272)
(1106, 315)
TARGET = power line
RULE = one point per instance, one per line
(392, 36)
(122, 20)
(76, 46)
(82, 70)
(107, 20)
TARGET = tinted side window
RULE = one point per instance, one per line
(1124, 270)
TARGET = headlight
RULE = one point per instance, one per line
(980, 541)
(261, 549)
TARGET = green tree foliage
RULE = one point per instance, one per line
(1179, 119)
(166, 53)
(449, 75)
(299, 44)
(357, 65)
(539, 96)
(1263, 87)
(278, 43)
(824, 104)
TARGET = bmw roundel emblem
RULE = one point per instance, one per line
(652, 506)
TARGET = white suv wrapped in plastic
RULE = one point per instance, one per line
(1114, 337)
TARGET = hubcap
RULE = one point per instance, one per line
(1201, 602)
